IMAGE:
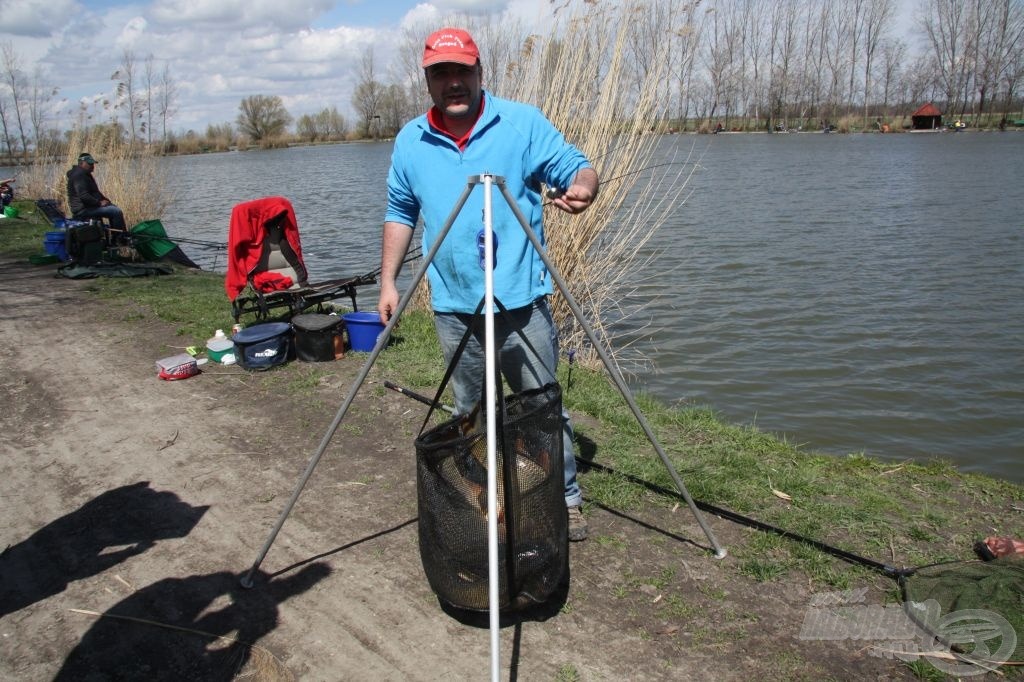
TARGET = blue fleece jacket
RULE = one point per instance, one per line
(428, 175)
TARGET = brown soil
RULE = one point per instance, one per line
(146, 500)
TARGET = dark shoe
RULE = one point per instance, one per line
(577, 525)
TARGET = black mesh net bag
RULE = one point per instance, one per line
(452, 496)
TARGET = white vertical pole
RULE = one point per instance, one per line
(492, 457)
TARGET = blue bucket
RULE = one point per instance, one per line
(53, 244)
(363, 330)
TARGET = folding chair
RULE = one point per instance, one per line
(266, 271)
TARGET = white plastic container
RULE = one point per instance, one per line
(218, 346)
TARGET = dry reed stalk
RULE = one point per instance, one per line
(128, 174)
(580, 75)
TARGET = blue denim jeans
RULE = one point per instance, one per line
(109, 212)
(521, 368)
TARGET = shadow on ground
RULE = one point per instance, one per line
(203, 627)
(103, 532)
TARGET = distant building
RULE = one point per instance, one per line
(927, 117)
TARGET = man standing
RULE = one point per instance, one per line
(469, 132)
(85, 198)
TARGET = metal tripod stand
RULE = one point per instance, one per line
(487, 180)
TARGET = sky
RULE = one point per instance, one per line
(308, 52)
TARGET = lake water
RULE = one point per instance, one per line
(855, 293)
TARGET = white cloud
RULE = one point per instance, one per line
(36, 18)
(133, 33)
(470, 6)
(424, 14)
(220, 51)
(285, 15)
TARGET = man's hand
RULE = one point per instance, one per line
(395, 244)
(388, 302)
(580, 194)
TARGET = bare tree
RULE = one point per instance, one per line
(893, 52)
(499, 40)
(149, 77)
(15, 80)
(39, 97)
(836, 36)
(4, 109)
(1012, 76)
(167, 100)
(649, 22)
(682, 55)
(326, 124)
(368, 95)
(815, 45)
(306, 129)
(128, 93)
(393, 108)
(852, 25)
(782, 55)
(877, 23)
(945, 24)
(263, 117)
(720, 57)
(998, 27)
(757, 45)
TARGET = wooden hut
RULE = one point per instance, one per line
(927, 117)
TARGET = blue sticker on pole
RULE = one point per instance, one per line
(481, 245)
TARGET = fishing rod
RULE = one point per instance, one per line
(136, 236)
(417, 396)
(180, 240)
(554, 193)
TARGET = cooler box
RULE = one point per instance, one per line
(318, 338)
(263, 346)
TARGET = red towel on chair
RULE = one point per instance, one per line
(246, 234)
(271, 281)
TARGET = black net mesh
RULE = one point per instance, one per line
(984, 599)
(452, 494)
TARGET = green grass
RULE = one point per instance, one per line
(907, 513)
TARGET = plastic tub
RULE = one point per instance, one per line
(216, 349)
(363, 330)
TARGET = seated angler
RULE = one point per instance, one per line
(6, 192)
(85, 198)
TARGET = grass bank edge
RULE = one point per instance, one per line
(898, 513)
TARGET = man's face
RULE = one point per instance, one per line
(455, 88)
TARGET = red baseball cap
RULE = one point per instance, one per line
(450, 45)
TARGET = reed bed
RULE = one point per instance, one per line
(128, 174)
(582, 77)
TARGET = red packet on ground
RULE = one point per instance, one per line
(175, 367)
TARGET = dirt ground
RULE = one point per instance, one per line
(133, 505)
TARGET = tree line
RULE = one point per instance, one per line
(747, 64)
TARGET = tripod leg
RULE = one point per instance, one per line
(382, 339)
(620, 383)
